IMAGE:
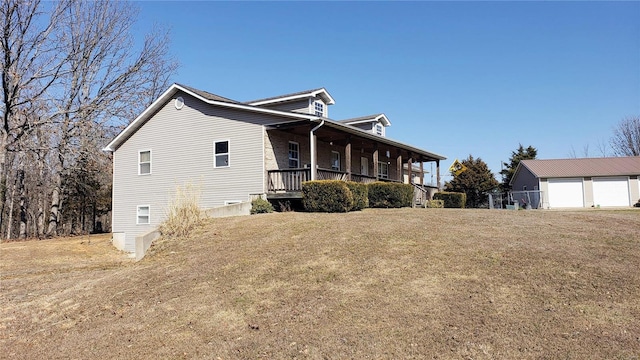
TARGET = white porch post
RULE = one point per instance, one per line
(312, 149)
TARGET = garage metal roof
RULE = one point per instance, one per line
(586, 167)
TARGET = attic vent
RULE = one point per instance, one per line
(179, 102)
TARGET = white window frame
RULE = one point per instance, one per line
(228, 153)
(297, 159)
(333, 167)
(381, 174)
(318, 108)
(378, 129)
(365, 168)
(140, 161)
(148, 215)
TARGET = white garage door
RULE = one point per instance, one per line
(613, 191)
(565, 193)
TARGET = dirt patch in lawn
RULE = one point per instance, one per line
(407, 283)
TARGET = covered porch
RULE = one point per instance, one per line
(330, 150)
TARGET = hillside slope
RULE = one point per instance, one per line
(406, 283)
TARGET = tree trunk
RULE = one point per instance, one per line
(52, 228)
(3, 175)
(23, 206)
(40, 219)
(13, 190)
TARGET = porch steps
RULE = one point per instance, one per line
(420, 196)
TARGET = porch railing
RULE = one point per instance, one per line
(288, 179)
(326, 174)
(363, 178)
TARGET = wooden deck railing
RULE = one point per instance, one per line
(326, 174)
(290, 180)
(363, 178)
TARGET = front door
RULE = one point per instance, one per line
(364, 166)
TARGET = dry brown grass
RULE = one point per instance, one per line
(406, 283)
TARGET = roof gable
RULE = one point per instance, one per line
(586, 167)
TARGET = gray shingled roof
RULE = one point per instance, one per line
(208, 95)
(368, 117)
(283, 96)
(558, 168)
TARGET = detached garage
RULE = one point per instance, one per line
(579, 183)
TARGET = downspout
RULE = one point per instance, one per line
(313, 149)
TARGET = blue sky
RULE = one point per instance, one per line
(455, 78)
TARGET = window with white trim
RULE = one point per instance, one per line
(144, 162)
(335, 160)
(318, 108)
(383, 170)
(294, 155)
(143, 215)
(221, 154)
(379, 129)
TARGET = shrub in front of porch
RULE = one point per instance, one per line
(451, 199)
(390, 195)
(261, 206)
(326, 196)
(360, 194)
(435, 204)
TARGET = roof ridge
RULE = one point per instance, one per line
(285, 95)
(208, 95)
(372, 116)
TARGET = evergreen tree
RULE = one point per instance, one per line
(476, 181)
(510, 168)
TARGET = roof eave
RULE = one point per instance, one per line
(356, 131)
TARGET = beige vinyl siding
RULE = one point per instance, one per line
(181, 142)
(300, 106)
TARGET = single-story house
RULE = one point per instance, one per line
(580, 183)
(235, 151)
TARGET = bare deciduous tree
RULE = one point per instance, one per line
(30, 64)
(72, 76)
(626, 137)
(108, 82)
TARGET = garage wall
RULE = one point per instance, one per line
(615, 191)
(581, 192)
(634, 185)
(588, 192)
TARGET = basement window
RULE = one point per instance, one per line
(143, 215)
